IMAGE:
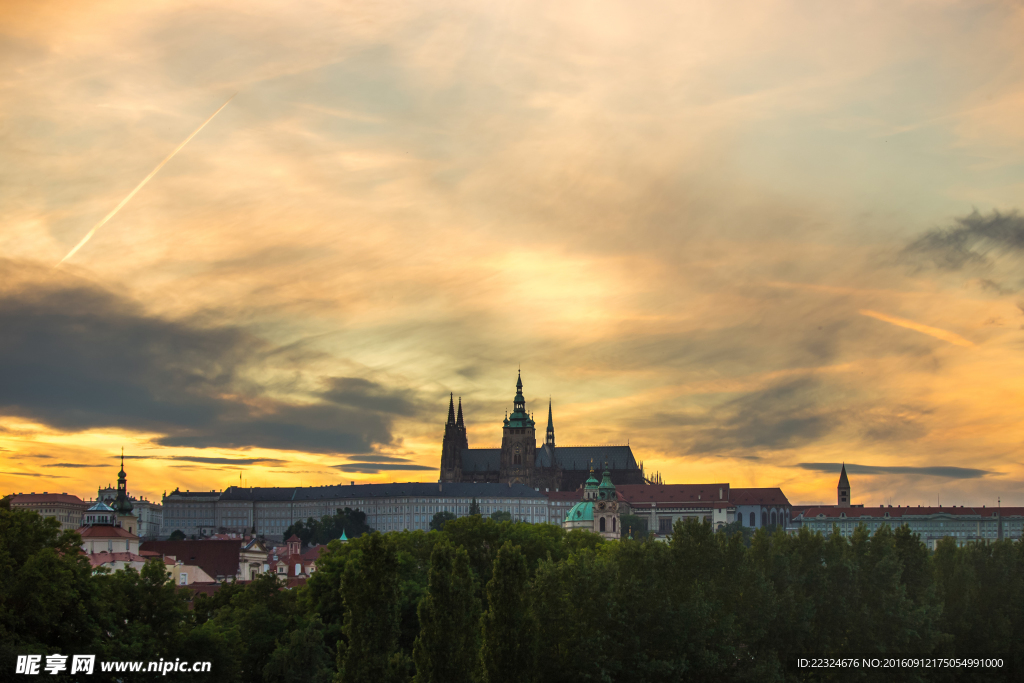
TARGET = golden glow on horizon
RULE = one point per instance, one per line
(682, 220)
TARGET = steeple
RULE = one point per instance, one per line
(462, 427)
(843, 489)
(451, 409)
(550, 438)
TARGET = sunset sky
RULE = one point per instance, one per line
(753, 239)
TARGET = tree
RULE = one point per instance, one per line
(330, 527)
(300, 658)
(438, 522)
(369, 587)
(446, 649)
(509, 628)
(501, 516)
(474, 507)
(177, 535)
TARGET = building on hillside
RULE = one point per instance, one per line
(598, 511)
(388, 507)
(64, 507)
(664, 505)
(228, 560)
(932, 524)
(106, 543)
(194, 513)
(520, 460)
(660, 506)
(291, 562)
(756, 508)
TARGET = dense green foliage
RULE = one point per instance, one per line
(483, 600)
(329, 527)
(439, 519)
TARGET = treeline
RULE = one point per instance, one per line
(486, 601)
(329, 527)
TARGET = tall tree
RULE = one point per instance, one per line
(369, 587)
(474, 507)
(449, 616)
(509, 651)
(440, 519)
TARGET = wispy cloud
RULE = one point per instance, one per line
(933, 471)
(944, 335)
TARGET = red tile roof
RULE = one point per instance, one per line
(313, 553)
(104, 531)
(673, 494)
(772, 496)
(832, 512)
(216, 558)
(97, 559)
(35, 498)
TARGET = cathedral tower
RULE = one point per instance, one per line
(518, 442)
(454, 443)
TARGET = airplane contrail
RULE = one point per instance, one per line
(138, 187)
(944, 335)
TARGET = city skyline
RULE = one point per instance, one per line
(755, 245)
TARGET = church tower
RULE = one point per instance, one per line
(453, 445)
(843, 489)
(518, 442)
(123, 503)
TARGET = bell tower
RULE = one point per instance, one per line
(843, 489)
(518, 442)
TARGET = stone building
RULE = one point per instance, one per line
(64, 507)
(520, 460)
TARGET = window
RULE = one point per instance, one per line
(753, 519)
(601, 525)
(664, 525)
(182, 579)
(764, 518)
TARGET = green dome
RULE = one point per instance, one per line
(581, 512)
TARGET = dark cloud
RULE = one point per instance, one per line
(782, 416)
(68, 464)
(377, 458)
(973, 241)
(75, 356)
(208, 460)
(361, 393)
(372, 464)
(30, 474)
(938, 471)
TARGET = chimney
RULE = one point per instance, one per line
(353, 484)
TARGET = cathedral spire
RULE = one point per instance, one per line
(451, 409)
(458, 421)
(550, 438)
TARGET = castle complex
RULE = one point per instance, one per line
(521, 461)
